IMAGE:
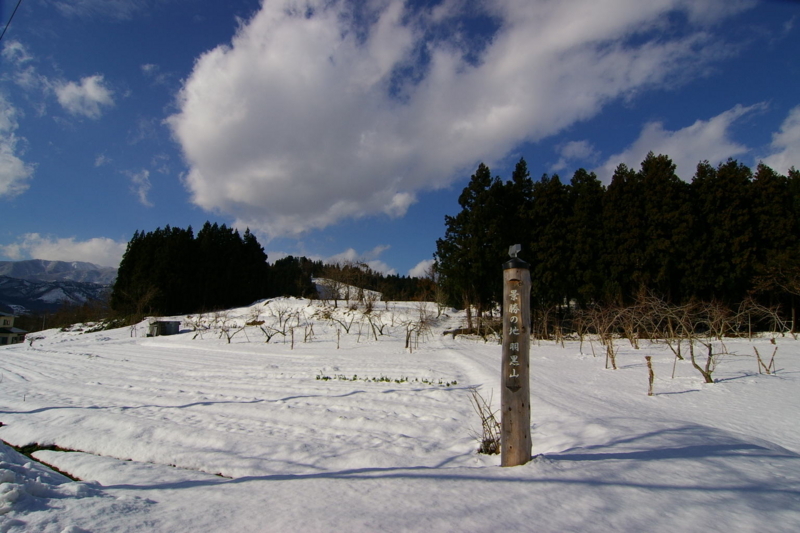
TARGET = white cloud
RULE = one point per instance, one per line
(14, 172)
(101, 160)
(100, 250)
(369, 258)
(383, 268)
(87, 99)
(15, 52)
(703, 140)
(314, 113)
(160, 162)
(140, 185)
(114, 9)
(153, 72)
(19, 67)
(574, 151)
(144, 129)
(422, 269)
(785, 145)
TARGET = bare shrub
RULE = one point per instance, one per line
(769, 368)
(711, 362)
(605, 321)
(751, 310)
(489, 436)
(227, 326)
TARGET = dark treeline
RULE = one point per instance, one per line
(171, 271)
(727, 234)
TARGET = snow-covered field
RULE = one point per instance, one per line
(195, 433)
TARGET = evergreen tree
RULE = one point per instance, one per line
(549, 219)
(773, 213)
(667, 226)
(777, 267)
(724, 235)
(291, 276)
(585, 238)
(467, 258)
(624, 225)
(515, 214)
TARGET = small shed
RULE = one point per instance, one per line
(164, 327)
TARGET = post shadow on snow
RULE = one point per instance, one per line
(761, 494)
(688, 442)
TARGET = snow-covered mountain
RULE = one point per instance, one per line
(42, 270)
(38, 285)
(23, 295)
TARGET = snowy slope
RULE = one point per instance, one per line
(322, 429)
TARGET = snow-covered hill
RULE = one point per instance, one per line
(319, 419)
(329, 289)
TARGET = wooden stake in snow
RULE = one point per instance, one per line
(515, 422)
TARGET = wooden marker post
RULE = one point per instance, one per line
(515, 397)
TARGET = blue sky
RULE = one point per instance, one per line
(346, 130)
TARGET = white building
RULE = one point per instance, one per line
(8, 333)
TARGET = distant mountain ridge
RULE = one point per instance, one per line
(37, 285)
(43, 270)
(24, 296)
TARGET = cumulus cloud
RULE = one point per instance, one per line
(785, 147)
(14, 172)
(704, 140)
(422, 269)
(100, 250)
(318, 111)
(87, 98)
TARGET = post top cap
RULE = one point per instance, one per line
(515, 262)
